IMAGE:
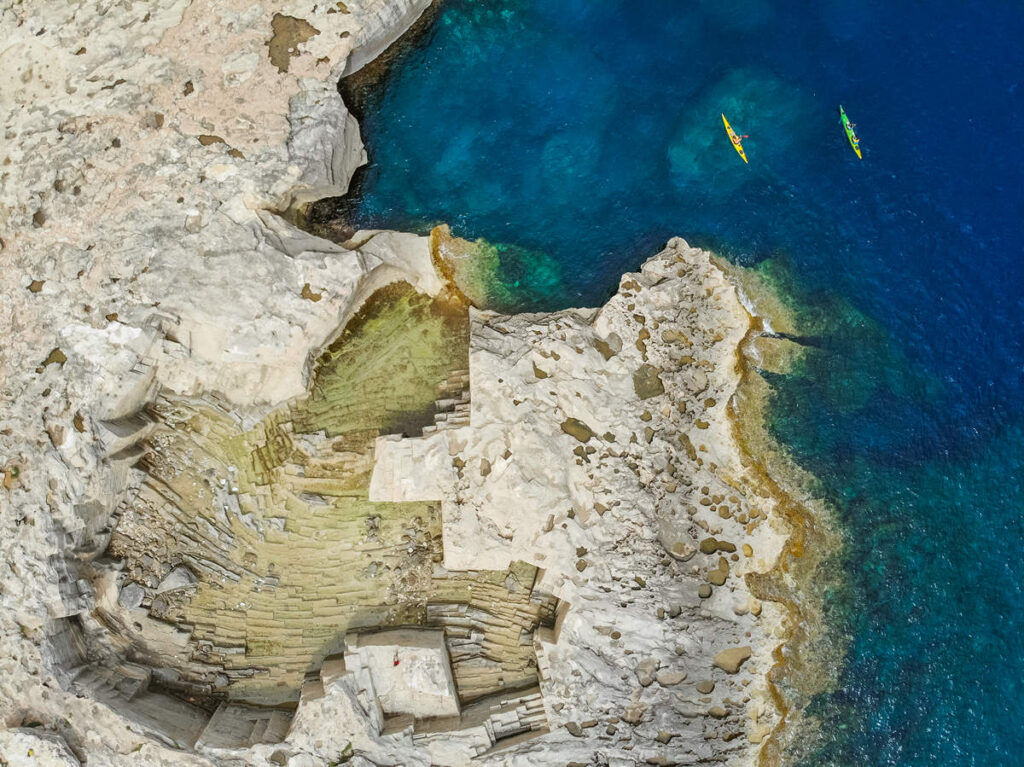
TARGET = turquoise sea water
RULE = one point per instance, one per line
(589, 132)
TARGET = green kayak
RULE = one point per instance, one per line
(848, 127)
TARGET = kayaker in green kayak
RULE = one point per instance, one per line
(850, 135)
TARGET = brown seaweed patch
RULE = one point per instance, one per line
(805, 662)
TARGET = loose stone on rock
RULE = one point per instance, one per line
(576, 428)
(131, 596)
(731, 659)
(647, 382)
(668, 678)
(645, 671)
(574, 729)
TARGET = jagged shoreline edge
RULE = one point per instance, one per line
(800, 670)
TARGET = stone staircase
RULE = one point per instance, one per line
(517, 716)
(452, 404)
(488, 724)
(113, 684)
(236, 725)
(125, 688)
(490, 637)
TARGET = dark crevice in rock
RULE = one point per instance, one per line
(334, 218)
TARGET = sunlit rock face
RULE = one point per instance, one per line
(409, 670)
(601, 447)
(239, 459)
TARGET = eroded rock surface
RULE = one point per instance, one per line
(611, 487)
(165, 440)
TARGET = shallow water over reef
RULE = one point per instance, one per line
(575, 137)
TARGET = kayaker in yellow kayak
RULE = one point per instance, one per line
(737, 143)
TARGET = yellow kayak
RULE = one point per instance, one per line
(737, 144)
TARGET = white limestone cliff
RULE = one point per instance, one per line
(146, 149)
(149, 149)
(600, 448)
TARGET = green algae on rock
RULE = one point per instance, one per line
(494, 275)
(274, 521)
(383, 371)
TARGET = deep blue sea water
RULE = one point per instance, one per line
(589, 131)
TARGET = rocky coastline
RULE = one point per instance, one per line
(585, 520)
